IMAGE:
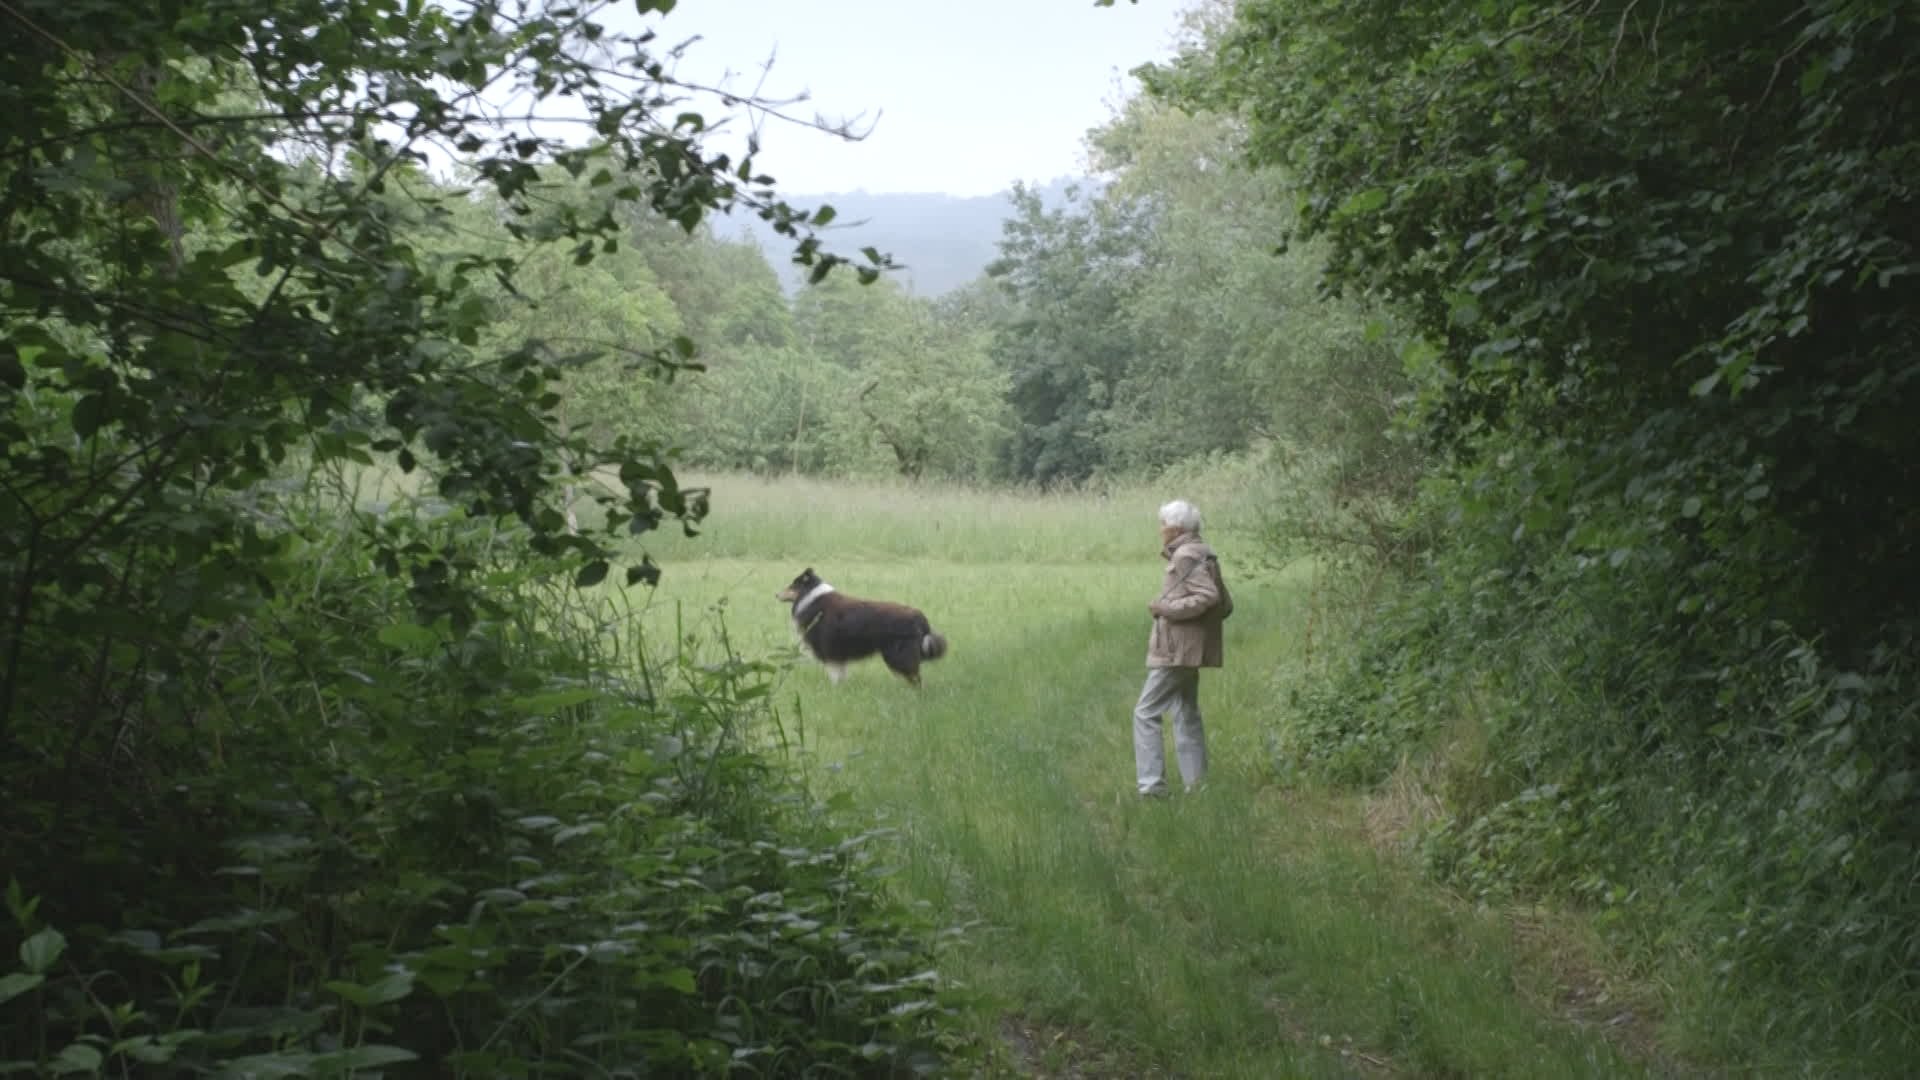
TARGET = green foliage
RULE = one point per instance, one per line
(300, 782)
(1734, 791)
(726, 292)
(1714, 293)
(1151, 322)
(477, 851)
(1069, 271)
(931, 400)
(1654, 260)
(875, 382)
(769, 409)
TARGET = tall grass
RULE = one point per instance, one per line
(1248, 931)
(797, 517)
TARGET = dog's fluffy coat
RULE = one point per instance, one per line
(839, 629)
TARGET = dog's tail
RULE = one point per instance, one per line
(932, 646)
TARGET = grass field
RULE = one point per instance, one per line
(1249, 930)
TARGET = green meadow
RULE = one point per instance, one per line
(1249, 930)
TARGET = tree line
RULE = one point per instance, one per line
(1131, 325)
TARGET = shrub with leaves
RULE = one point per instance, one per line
(1660, 259)
(302, 783)
(490, 853)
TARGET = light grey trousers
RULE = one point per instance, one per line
(1175, 690)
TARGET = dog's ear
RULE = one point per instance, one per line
(808, 572)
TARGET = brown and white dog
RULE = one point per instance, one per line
(839, 629)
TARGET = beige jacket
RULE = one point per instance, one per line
(1193, 602)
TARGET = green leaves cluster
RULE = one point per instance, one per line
(315, 759)
(218, 255)
(1653, 257)
(1151, 321)
(1689, 234)
(465, 854)
(861, 379)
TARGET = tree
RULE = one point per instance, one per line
(209, 263)
(1070, 273)
(1739, 192)
(605, 327)
(725, 289)
(1659, 265)
(851, 324)
(222, 269)
(1235, 341)
(936, 401)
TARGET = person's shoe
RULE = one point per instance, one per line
(1154, 793)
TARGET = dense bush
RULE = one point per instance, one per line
(1731, 805)
(353, 839)
(1729, 801)
(296, 783)
(1658, 261)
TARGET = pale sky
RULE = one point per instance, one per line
(969, 95)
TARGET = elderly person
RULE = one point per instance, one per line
(1187, 614)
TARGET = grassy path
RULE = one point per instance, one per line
(1246, 931)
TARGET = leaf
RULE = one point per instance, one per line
(1690, 508)
(592, 574)
(1365, 202)
(269, 1066)
(679, 979)
(144, 1050)
(17, 983)
(407, 637)
(1814, 78)
(391, 988)
(40, 951)
(369, 1056)
(77, 1057)
(350, 992)
(89, 413)
(572, 831)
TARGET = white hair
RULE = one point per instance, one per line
(1180, 514)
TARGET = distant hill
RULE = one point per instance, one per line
(941, 241)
